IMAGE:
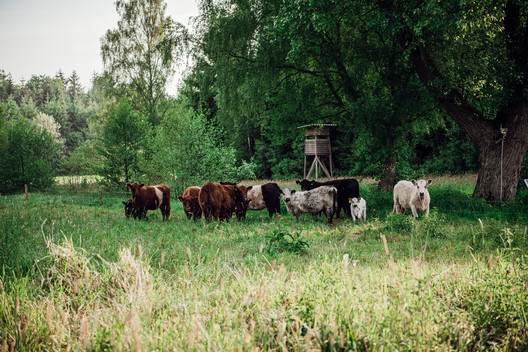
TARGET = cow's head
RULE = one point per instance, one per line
(241, 208)
(241, 201)
(286, 194)
(189, 204)
(354, 202)
(129, 208)
(421, 186)
(305, 184)
(134, 188)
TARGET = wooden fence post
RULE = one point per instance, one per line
(101, 196)
(26, 190)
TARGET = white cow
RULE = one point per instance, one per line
(358, 208)
(412, 195)
(320, 199)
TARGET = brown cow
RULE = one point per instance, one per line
(190, 204)
(150, 198)
(220, 201)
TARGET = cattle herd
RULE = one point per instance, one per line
(221, 201)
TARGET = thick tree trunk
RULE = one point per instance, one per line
(493, 185)
(389, 174)
(485, 134)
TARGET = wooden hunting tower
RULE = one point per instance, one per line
(317, 144)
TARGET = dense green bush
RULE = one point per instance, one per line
(28, 155)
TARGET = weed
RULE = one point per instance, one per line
(281, 241)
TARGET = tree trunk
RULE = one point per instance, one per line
(485, 134)
(389, 174)
(488, 142)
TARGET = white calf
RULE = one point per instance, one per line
(358, 208)
(319, 199)
(412, 195)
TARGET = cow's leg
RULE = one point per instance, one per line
(277, 206)
(396, 208)
(330, 215)
(168, 209)
(414, 212)
(427, 211)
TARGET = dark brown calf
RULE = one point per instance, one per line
(220, 201)
(190, 203)
(130, 209)
(150, 198)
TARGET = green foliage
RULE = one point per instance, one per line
(140, 53)
(28, 155)
(400, 223)
(187, 152)
(85, 159)
(122, 142)
(281, 241)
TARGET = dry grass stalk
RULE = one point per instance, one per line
(346, 259)
(385, 246)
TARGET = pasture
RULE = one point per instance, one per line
(81, 276)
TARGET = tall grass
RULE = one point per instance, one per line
(82, 277)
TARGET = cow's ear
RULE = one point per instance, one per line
(124, 203)
(298, 182)
(129, 185)
(413, 182)
(359, 199)
(180, 198)
(250, 188)
(293, 191)
(429, 182)
(141, 185)
(350, 200)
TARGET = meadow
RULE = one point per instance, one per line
(80, 276)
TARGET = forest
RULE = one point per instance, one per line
(414, 88)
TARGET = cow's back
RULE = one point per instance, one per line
(256, 198)
(217, 200)
(315, 200)
(192, 192)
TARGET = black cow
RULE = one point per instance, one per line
(265, 196)
(346, 188)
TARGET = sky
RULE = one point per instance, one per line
(39, 37)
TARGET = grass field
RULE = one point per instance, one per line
(82, 277)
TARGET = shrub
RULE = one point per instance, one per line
(28, 155)
(280, 241)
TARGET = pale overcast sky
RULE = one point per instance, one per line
(43, 36)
